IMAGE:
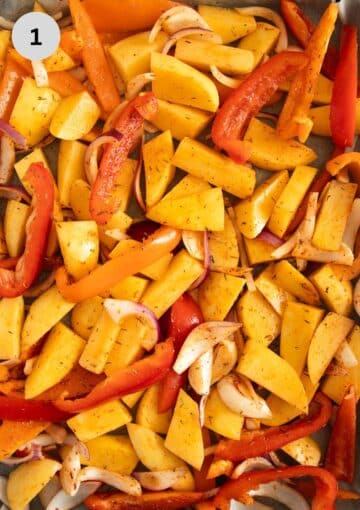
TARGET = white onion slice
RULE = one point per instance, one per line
(222, 78)
(225, 358)
(82, 448)
(175, 19)
(160, 480)
(270, 15)
(281, 492)
(119, 309)
(236, 505)
(7, 159)
(204, 33)
(3, 490)
(91, 156)
(29, 365)
(239, 399)
(201, 339)
(123, 483)
(345, 356)
(194, 243)
(49, 491)
(136, 84)
(352, 224)
(207, 263)
(62, 501)
(6, 24)
(202, 405)
(70, 472)
(254, 464)
(308, 252)
(356, 297)
(35, 453)
(40, 73)
(57, 433)
(199, 374)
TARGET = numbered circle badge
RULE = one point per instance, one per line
(36, 35)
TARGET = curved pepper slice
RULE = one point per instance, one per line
(103, 202)
(254, 444)
(244, 102)
(13, 283)
(136, 377)
(103, 277)
(325, 483)
(19, 409)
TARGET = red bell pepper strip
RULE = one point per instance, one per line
(302, 28)
(184, 316)
(294, 117)
(340, 454)
(136, 377)
(19, 409)
(13, 283)
(324, 499)
(103, 277)
(243, 103)
(10, 85)
(308, 489)
(202, 483)
(164, 500)
(254, 444)
(103, 202)
(343, 101)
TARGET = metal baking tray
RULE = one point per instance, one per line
(349, 13)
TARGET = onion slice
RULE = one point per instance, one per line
(7, 159)
(70, 472)
(34, 454)
(175, 19)
(92, 152)
(225, 358)
(41, 287)
(119, 309)
(239, 396)
(18, 193)
(207, 263)
(123, 483)
(137, 180)
(15, 136)
(160, 480)
(282, 493)
(40, 73)
(270, 15)
(194, 243)
(202, 406)
(200, 373)
(352, 225)
(308, 252)
(62, 501)
(254, 464)
(137, 83)
(236, 505)
(49, 491)
(345, 356)
(3, 491)
(201, 339)
(222, 78)
(270, 238)
(204, 33)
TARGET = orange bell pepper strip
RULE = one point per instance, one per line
(72, 44)
(10, 86)
(340, 453)
(14, 434)
(103, 200)
(256, 443)
(324, 499)
(94, 58)
(166, 500)
(242, 104)
(103, 277)
(335, 165)
(294, 117)
(125, 15)
(136, 377)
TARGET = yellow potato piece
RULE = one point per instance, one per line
(11, 322)
(132, 399)
(258, 251)
(266, 368)
(224, 247)
(323, 91)
(218, 294)
(180, 83)
(277, 297)
(59, 61)
(57, 358)
(184, 437)
(305, 451)
(261, 41)
(220, 419)
(271, 152)
(131, 288)
(327, 338)
(26, 481)
(205, 163)
(15, 219)
(337, 294)
(70, 167)
(147, 414)
(99, 420)
(85, 315)
(75, 116)
(294, 282)
(187, 186)
(227, 23)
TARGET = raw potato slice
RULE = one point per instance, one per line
(223, 246)
(147, 414)
(70, 167)
(253, 213)
(260, 322)
(203, 54)
(199, 211)
(159, 170)
(266, 368)
(152, 452)
(336, 387)
(305, 451)
(333, 214)
(11, 323)
(290, 199)
(217, 295)
(181, 120)
(294, 282)
(182, 272)
(58, 356)
(27, 480)
(16, 216)
(327, 338)
(99, 420)
(337, 294)
(297, 329)
(46, 311)
(227, 23)
(220, 419)
(271, 152)
(180, 83)
(275, 295)
(200, 161)
(184, 437)
(261, 41)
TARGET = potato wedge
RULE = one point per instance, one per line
(70, 167)
(147, 414)
(85, 315)
(187, 186)
(16, 216)
(266, 368)
(258, 251)
(59, 61)
(220, 419)
(180, 83)
(200, 161)
(224, 247)
(327, 338)
(271, 152)
(218, 294)
(261, 41)
(337, 294)
(132, 399)
(11, 323)
(131, 288)
(277, 297)
(228, 23)
(294, 282)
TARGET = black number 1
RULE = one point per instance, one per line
(36, 41)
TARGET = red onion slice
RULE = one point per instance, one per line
(270, 238)
(41, 287)
(119, 309)
(61, 501)
(137, 181)
(35, 454)
(15, 136)
(7, 159)
(17, 193)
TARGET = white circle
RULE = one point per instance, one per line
(36, 35)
